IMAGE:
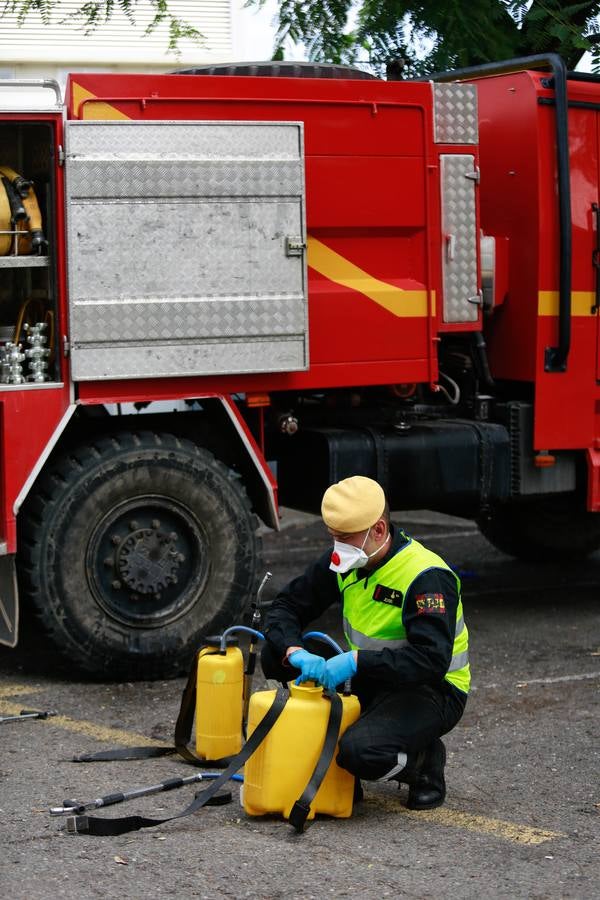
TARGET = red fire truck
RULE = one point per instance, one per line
(220, 294)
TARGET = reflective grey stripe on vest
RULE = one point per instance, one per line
(458, 661)
(368, 643)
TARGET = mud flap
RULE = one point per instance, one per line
(9, 602)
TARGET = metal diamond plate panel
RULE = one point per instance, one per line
(184, 140)
(199, 319)
(160, 360)
(459, 259)
(177, 251)
(455, 114)
(178, 178)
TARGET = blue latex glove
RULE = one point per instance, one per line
(312, 667)
(338, 669)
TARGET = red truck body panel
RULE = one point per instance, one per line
(519, 201)
(31, 416)
(375, 243)
(372, 207)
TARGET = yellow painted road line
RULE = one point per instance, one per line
(78, 726)
(454, 818)
(337, 268)
(89, 729)
(445, 816)
(13, 690)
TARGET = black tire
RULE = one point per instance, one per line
(543, 531)
(133, 548)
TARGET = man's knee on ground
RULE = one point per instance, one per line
(349, 756)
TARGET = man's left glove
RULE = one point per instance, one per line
(338, 669)
(312, 667)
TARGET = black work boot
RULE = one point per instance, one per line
(428, 789)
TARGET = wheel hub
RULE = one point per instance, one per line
(148, 560)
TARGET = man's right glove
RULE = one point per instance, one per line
(312, 667)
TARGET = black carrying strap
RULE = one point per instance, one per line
(98, 826)
(301, 807)
(183, 733)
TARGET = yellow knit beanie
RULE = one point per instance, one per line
(352, 505)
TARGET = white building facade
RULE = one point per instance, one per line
(39, 49)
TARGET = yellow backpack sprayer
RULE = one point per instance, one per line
(288, 756)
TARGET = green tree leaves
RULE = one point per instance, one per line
(434, 35)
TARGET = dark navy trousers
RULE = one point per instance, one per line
(405, 719)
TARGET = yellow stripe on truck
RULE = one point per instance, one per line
(337, 268)
(581, 303)
(98, 110)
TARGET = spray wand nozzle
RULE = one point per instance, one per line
(256, 605)
(253, 630)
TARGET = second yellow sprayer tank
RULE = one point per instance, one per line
(277, 773)
(219, 699)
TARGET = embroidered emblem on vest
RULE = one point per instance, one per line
(391, 596)
(430, 603)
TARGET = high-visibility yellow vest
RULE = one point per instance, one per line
(370, 624)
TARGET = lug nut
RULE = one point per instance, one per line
(116, 584)
(133, 525)
(115, 539)
(155, 523)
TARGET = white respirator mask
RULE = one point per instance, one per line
(346, 557)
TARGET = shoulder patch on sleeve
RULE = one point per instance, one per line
(428, 604)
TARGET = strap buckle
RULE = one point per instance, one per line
(298, 815)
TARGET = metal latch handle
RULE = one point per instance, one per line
(294, 246)
(450, 247)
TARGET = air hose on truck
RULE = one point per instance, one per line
(278, 724)
(20, 217)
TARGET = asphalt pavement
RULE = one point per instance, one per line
(522, 816)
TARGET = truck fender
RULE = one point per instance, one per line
(261, 484)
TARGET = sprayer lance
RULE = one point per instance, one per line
(256, 604)
(77, 807)
(29, 714)
(251, 665)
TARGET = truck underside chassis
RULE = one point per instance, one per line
(135, 541)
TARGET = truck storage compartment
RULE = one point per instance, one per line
(186, 248)
(453, 466)
(27, 280)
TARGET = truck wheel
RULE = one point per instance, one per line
(133, 548)
(543, 531)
